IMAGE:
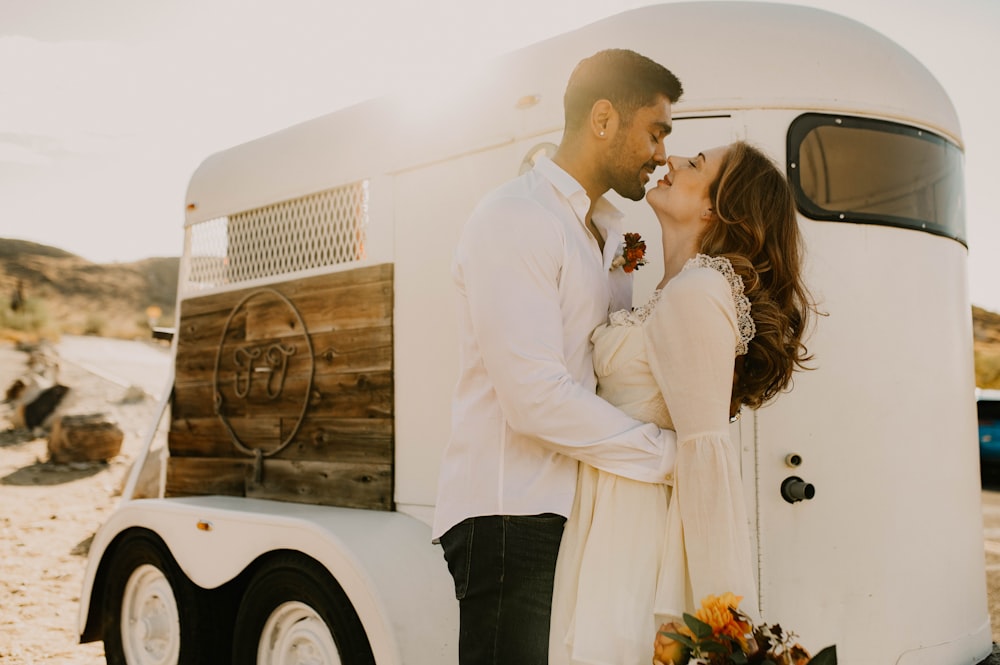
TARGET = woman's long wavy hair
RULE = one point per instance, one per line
(755, 227)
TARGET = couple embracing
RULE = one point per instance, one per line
(590, 490)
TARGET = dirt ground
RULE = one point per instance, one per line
(49, 514)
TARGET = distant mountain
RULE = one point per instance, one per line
(65, 293)
(15, 248)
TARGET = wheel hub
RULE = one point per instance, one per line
(150, 622)
(296, 635)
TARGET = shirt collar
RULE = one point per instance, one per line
(607, 217)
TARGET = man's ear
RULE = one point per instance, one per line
(603, 119)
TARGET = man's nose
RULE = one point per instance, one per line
(660, 156)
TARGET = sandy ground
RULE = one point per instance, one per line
(49, 514)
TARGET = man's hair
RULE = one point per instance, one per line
(626, 79)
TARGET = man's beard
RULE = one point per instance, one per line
(621, 176)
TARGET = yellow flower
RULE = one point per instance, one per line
(668, 651)
(715, 612)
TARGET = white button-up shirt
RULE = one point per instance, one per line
(532, 286)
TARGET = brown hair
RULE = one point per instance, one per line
(628, 80)
(756, 229)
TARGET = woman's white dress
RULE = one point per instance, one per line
(634, 554)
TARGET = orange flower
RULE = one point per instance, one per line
(666, 650)
(800, 656)
(630, 255)
(720, 634)
(715, 611)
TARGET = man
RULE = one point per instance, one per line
(534, 274)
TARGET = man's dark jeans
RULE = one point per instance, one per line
(504, 566)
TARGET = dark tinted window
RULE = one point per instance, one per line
(988, 409)
(875, 172)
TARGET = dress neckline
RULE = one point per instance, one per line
(744, 321)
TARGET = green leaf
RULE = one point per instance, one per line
(827, 656)
(700, 629)
(683, 639)
(739, 658)
(713, 647)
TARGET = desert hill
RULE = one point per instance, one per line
(65, 293)
(986, 342)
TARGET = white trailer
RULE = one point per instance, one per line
(862, 483)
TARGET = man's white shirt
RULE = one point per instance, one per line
(532, 287)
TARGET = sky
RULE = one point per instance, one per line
(108, 106)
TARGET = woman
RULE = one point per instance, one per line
(723, 329)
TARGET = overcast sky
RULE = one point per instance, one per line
(108, 106)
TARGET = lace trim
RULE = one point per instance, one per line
(744, 322)
(636, 315)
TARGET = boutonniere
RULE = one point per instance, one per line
(630, 253)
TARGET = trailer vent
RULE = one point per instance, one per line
(314, 231)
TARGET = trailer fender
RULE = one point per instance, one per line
(396, 579)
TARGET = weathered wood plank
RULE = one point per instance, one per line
(367, 350)
(223, 302)
(325, 483)
(349, 395)
(188, 476)
(208, 437)
(323, 309)
(359, 440)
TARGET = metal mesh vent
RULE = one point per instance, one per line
(322, 229)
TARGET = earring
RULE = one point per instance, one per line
(602, 133)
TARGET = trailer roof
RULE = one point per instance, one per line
(729, 56)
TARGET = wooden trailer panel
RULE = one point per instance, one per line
(285, 391)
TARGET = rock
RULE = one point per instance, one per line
(36, 400)
(86, 438)
(15, 390)
(36, 411)
(43, 360)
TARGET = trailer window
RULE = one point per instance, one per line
(867, 171)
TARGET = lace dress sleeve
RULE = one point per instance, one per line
(693, 337)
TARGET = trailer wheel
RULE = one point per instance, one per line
(295, 613)
(153, 614)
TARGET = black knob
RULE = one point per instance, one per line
(794, 489)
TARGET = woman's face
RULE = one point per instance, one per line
(682, 194)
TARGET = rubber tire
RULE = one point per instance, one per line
(291, 577)
(202, 630)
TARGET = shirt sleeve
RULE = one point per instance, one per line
(691, 339)
(509, 267)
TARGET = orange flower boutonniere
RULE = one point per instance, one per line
(630, 253)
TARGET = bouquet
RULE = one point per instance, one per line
(719, 634)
